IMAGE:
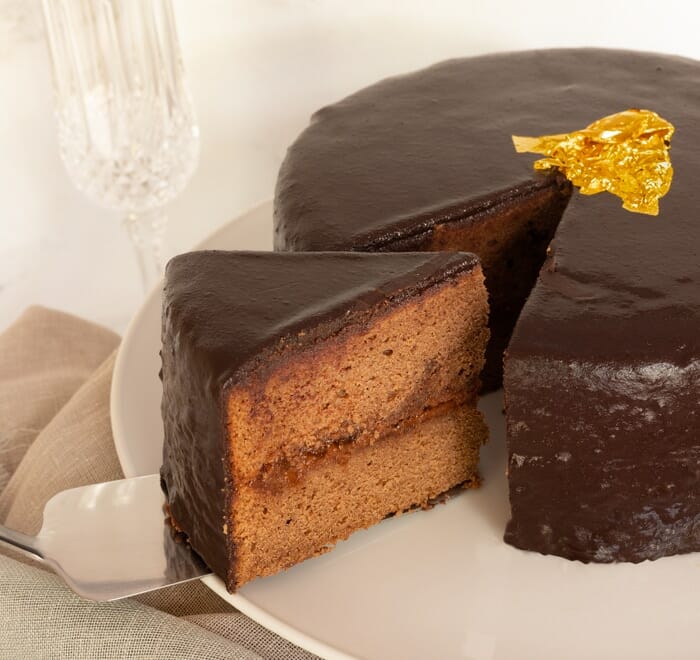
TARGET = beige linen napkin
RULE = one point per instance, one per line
(55, 375)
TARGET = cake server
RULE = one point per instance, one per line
(110, 540)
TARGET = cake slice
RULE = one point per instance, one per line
(308, 395)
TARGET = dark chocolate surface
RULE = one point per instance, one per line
(227, 312)
(604, 459)
(602, 376)
(619, 286)
(410, 152)
(416, 150)
(602, 383)
(603, 365)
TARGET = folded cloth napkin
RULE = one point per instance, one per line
(55, 376)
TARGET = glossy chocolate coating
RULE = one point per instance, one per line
(602, 376)
(602, 379)
(402, 156)
(226, 313)
(602, 384)
(413, 151)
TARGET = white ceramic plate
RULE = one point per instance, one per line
(434, 584)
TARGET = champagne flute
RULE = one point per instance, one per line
(127, 131)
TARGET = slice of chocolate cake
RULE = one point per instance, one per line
(309, 395)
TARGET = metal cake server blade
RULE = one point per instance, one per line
(111, 540)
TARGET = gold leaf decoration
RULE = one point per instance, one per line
(626, 154)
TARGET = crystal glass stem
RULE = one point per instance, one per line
(146, 231)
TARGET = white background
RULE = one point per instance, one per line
(257, 69)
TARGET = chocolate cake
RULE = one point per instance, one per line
(309, 395)
(602, 376)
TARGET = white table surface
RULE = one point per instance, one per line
(257, 69)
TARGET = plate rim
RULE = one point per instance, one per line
(213, 582)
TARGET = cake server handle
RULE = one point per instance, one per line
(110, 540)
(23, 542)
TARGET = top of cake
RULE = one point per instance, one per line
(421, 149)
(617, 286)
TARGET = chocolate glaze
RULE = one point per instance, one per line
(410, 152)
(602, 383)
(601, 378)
(604, 458)
(226, 313)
